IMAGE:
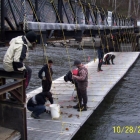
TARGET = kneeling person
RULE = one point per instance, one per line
(109, 57)
(36, 104)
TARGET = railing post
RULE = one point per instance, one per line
(87, 15)
(60, 10)
(2, 34)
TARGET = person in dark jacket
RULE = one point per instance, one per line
(45, 74)
(100, 57)
(82, 82)
(36, 104)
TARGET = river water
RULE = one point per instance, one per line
(117, 117)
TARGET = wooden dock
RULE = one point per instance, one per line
(100, 83)
(9, 134)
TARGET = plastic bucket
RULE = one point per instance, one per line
(55, 111)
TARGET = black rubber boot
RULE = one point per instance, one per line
(77, 106)
(34, 116)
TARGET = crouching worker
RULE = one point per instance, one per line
(82, 82)
(108, 57)
(36, 104)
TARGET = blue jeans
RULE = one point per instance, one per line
(37, 110)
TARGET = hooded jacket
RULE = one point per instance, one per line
(16, 53)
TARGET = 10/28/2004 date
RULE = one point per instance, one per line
(126, 129)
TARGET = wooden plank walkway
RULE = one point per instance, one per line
(100, 83)
(9, 134)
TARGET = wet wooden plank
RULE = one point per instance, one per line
(9, 134)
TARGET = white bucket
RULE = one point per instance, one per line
(55, 111)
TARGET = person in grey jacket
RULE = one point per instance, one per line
(17, 53)
(82, 82)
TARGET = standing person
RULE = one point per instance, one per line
(45, 74)
(100, 57)
(82, 82)
(17, 53)
(36, 104)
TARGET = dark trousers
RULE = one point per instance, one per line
(100, 64)
(82, 95)
(28, 75)
(112, 61)
(107, 61)
(46, 85)
(37, 110)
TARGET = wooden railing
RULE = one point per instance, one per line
(13, 113)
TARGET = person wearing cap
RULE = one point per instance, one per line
(17, 52)
(36, 104)
(82, 82)
(100, 57)
(45, 74)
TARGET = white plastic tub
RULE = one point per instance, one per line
(55, 111)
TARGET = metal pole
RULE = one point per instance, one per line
(76, 12)
(2, 22)
(36, 11)
(87, 14)
(36, 5)
(66, 12)
(9, 23)
(60, 10)
(13, 13)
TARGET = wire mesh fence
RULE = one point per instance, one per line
(18, 10)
